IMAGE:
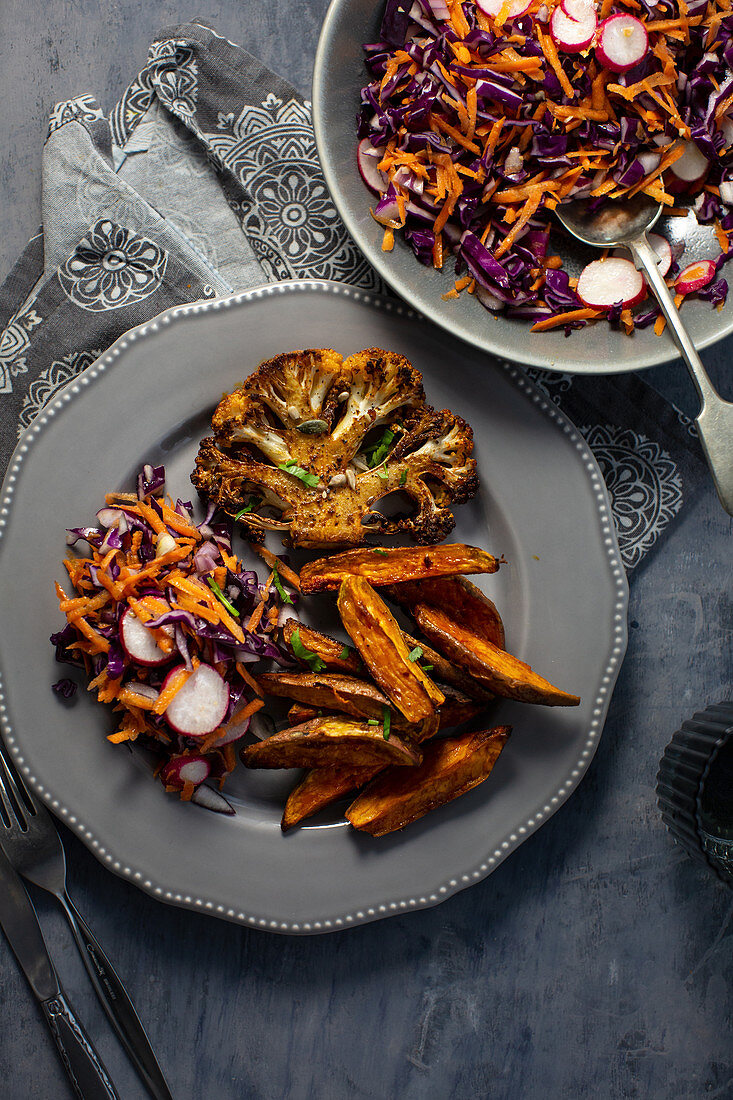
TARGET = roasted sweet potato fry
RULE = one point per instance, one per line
(397, 564)
(467, 603)
(319, 788)
(495, 668)
(299, 714)
(322, 786)
(330, 691)
(457, 708)
(335, 655)
(446, 672)
(449, 769)
(377, 636)
(329, 742)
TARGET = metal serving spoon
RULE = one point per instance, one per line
(626, 224)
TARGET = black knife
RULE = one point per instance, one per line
(19, 922)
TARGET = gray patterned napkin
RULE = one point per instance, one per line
(204, 180)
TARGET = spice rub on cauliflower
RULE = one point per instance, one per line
(311, 443)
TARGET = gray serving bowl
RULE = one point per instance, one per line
(596, 349)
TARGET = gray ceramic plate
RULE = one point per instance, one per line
(542, 503)
(597, 349)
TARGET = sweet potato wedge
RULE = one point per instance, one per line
(329, 742)
(397, 564)
(375, 632)
(457, 708)
(449, 768)
(467, 603)
(446, 672)
(299, 714)
(322, 786)
(335, 655)
(319, 788)
(330, 691)
(498, 670)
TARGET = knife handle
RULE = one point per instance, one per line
(116, 1003)
(86, 1071)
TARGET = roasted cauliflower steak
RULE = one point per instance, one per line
(311, 443)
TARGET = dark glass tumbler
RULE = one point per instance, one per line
(695, 788)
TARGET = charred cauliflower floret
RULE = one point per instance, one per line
(311, 443)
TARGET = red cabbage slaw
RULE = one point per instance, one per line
(477, 127)
(148, 554)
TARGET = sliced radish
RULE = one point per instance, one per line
(185, 769)
(622, 43)
(367, 159)
(662, 248)
(604, 283)
(695, 276)
(573, 25)
(200, 705)
(212, 800)
(494, 7)
(689, 169)
(138, 640)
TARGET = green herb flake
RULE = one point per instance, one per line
(344, 654)
(377, 550)
(279, 586)
(304, 654)
(372, 722)
(382, 474)
(386, 722)
(311, 480)
(427, 668)
(415, 653)
(403, 477)
(222, 598)
(377, 454)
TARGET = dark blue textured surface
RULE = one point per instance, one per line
(595, 962)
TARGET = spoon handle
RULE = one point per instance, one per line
(715, 420)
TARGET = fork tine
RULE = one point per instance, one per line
(11, 799)
(19, 789)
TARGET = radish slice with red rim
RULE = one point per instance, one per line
(367, 159)
(200, 705)
(138, 641)
(622, 43)
(185, 769)
(493, 7)
(605, 283)
(695, 276)
(691, 166)
(573, 25)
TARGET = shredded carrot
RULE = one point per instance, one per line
(248, 678)
(566, 318)
(172, 686)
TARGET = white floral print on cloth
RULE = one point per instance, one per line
(288, 216)
(644, 482)
(14, 344)
(112, 267)
(84, 108)
(51, 380)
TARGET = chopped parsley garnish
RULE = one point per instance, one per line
(380, 449)
(254, 502)
(372, 721)
(415, 653)
(304, 654)
(344, 654)
(290, 467)
(386, 722)
(376, 550)
(279, 586)
(382, 473)
(403, 477)
(222, 598)
(427, 668)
